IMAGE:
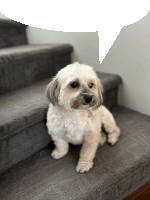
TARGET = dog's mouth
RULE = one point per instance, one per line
(84, 102)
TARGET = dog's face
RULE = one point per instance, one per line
(75, 87)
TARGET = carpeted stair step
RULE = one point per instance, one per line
(12, 33)
(110, 84)
(22, 66)
(117, 172)
(23, 115)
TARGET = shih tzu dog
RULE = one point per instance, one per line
(76, 114)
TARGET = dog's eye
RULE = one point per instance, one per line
(90, 85)
(74, 84)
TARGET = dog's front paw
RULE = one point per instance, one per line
(55, 154)
(84, 166)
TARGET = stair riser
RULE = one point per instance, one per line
(16, 74)
(22, 144)
(110, 98)
(11, 36)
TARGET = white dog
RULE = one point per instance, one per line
(76, 114)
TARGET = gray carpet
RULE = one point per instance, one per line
(117, 172)
(12, 33)
(24, 65)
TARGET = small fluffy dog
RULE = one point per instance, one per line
(76, 114)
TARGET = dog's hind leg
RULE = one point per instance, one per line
(109, 124)
(102, 138)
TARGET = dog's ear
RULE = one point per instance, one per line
(51, 89)
(100, 92)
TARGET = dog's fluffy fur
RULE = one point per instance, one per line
(71, 119)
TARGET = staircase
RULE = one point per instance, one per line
(27, 170)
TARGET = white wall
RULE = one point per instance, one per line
(86, 45)
(130, 58)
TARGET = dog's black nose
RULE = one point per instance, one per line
(88, 98)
